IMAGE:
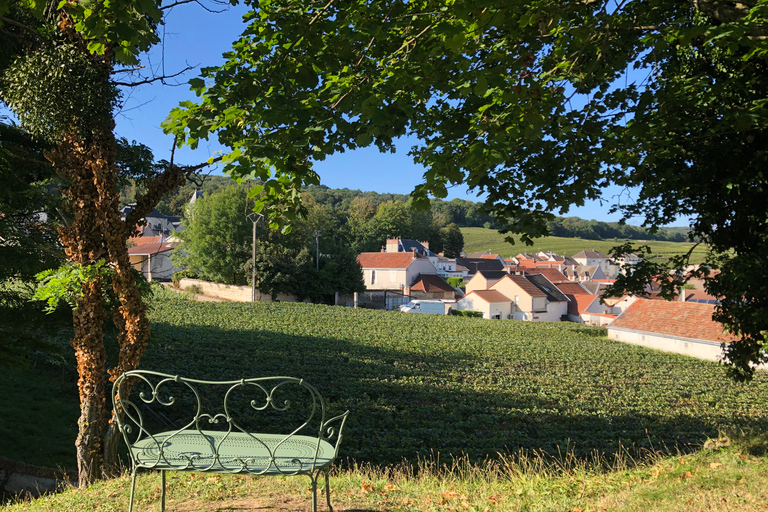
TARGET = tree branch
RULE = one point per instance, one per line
(162, 79)
(174, 176)
(182, 2)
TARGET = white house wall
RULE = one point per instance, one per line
(158, 267)
(702, 349)
(419, 266)
(555, 311)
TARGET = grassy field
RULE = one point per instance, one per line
(481, 239)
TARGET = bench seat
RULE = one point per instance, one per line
(238, 452)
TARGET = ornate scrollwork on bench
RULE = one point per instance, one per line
(260, 426)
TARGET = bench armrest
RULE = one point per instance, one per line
(329, 431)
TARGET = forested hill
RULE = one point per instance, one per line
(461, 212)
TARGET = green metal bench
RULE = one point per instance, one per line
(167, 428)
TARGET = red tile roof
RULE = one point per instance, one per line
(143, 240)
(490, 256)
(430, 283)
(149, 249)
(552, 274)
(693, 295)
(579, 302)
(527, 286)
(591, 254)
(550, 263)
(573, 288)
(681, 319)
(490, 296)
(387, 259)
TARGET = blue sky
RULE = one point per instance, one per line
(195, 37)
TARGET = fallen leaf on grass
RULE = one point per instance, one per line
(449, 495)
(714, 465)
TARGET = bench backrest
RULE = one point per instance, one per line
(149, 403)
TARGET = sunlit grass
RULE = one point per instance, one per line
(724, 478)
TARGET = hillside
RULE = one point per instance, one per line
(481, 239)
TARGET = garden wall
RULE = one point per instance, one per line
(231, 292)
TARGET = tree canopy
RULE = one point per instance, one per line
(218, 247)
(540, 105)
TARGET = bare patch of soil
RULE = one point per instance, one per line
(261, 504)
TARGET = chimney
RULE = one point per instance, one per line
(393, 245)
(425, 244)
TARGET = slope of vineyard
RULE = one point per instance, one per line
(481, 239)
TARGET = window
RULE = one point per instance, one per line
(373, 277)
(393, 276)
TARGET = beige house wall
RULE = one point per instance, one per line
(524, 301)
(386, 278)
(475, 303)
(477, 283)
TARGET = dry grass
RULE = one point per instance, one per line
(726, 478)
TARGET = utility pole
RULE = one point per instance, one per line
(255, 218)
(317, 249)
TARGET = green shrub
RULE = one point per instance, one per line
(195, 288)
(182, 274)
(471, 314)
(456, 282)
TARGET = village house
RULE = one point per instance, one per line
(473, 265)
(492, 304)
(393, 270)
(584, 306)
(150, 255)
(584, 273)
(483, 279)
(672, 326)
(432, 287)
(532, 298)
(595, 258)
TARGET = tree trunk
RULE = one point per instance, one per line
(83, 167)
(91, 360)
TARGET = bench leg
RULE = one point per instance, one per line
(314, 491)
(328, 489)
(133, 488)
(162, 491)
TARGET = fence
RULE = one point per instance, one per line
(381, 299)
